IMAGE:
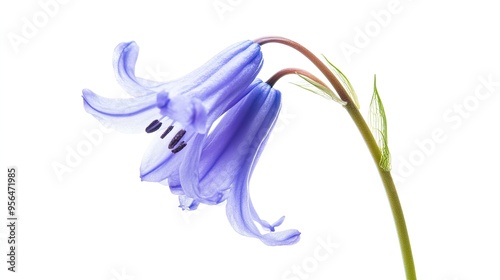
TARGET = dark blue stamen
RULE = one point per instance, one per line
(166, 132)
(180, 147)
(154, 126)
(176, 138)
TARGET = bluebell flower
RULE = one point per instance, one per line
(200, 161)
(244, 132)
(221, 170)
(176, 111)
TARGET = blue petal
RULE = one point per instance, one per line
(126, 114)
(222, 168)
(265, 224)
(189, 175)
(174, 184)
(124, 60)
(229, 62)
(218, 160)
(226, 78)
(159, 162)
(221, 82)
(211, 89)
(190, 112)
(208, 93)
(187, 203)
(260, 118)
(235, 67)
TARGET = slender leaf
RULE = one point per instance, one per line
(319, 89)
(343, 79)
(378, 125)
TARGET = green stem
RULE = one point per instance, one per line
(390, 188)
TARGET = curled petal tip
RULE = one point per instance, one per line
(86, 91)
(276, 224)
(187, 203)
(287, 237)
(124, 46)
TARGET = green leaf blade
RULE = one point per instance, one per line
(378, 125)
(319, 89)
(343, 79)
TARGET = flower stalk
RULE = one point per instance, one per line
(390, 188)
(287, 71)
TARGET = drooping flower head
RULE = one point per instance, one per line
(201, 163)
(217, 84)
(223, 163)
(245, 131)
(178, 110)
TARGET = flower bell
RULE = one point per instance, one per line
(178, 110)
(200, 161)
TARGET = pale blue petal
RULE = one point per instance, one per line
(197, 108)
(189, 174)
(187, 203)
(130, 115)
(228, 85)
(222, 168)
(159, 162)
(225, 65)
(190, 112)
(221, 155)
(124, 60)
(173, 183)
(218, 84)
(204, 94)
(240, 210)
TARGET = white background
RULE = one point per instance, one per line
(98, 221)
